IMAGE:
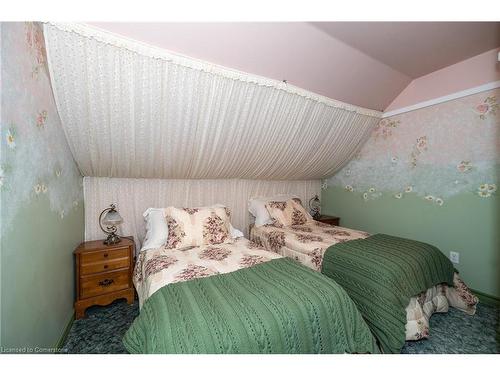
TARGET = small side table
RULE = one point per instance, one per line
(332, 220)
(103, 273)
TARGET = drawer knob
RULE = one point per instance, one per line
(105, 266)
(106, 282)
(105, 255)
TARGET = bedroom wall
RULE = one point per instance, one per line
(431, 175)
(42, 216)
(134, 196)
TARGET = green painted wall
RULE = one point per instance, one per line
(465, 223)
(38, 275)
(41, 198)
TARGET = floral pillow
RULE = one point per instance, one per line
(188, 227)
(288, 213)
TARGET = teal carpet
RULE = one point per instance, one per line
(453, 332)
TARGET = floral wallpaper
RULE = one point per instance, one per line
(35, 157)
(434, 152)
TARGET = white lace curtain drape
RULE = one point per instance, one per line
(134, 196)
(131, 110)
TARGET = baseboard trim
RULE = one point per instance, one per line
(65, 333)
(487, 299)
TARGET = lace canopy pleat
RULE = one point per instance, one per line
(135, 111)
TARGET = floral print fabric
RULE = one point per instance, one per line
(175, 233)
(437, 299)
(288, 213)
(197, 226)
(309, 240)
(214, 229)
(156, 268)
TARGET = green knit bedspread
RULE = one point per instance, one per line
(381, 273)
(275, 307)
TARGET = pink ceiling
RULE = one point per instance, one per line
(362, 63)
(296, 51)
(476, 71)
(417, 48)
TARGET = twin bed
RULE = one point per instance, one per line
(396, 283)
(299, 286)
(240, 298)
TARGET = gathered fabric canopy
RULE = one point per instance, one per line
(136, 111)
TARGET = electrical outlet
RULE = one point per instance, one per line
(454, 257)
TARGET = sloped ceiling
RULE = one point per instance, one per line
(132, 110)
(299, 52)
(416, 48)
(136, 111)
(362, 63)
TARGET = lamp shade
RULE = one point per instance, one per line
(112, 217)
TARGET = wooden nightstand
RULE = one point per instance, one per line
(332, 220)
(103, 273)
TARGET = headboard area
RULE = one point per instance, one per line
(134, 196)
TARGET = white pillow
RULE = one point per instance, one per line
(156, 229)
(235, 233)
(257, 207)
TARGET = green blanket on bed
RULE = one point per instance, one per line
(275, 307)
(381, 273)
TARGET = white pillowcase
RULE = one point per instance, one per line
(235, 233)
(257, 207)
(156, 229)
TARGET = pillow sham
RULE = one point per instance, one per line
(198, 226)
(288, 213)
(156, 229)
(257, 207)
(235, 233)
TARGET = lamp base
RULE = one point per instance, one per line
(315, 215)
(112, 239)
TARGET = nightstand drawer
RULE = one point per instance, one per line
(103, 283)
(113, 264)
(104, 255)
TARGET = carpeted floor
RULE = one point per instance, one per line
(453, 332)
